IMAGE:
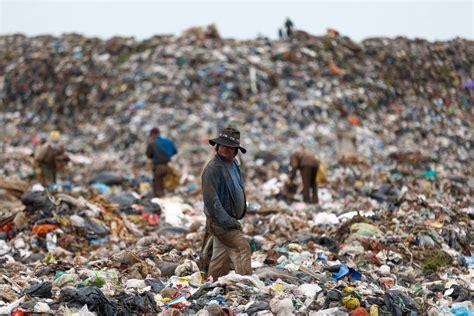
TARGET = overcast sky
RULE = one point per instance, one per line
(432, 20)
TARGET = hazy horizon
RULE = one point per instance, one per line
(429, 20)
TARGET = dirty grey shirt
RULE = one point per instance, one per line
(237, 188)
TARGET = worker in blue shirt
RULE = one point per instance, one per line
(160, 150)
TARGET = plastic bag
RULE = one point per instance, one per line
(84, 311)
(171, 180)
(321, 177)
(91, 296)
(42, 290)
(400, 303)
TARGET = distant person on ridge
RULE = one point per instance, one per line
(289, 27)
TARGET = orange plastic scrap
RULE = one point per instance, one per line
(360, 311)
(204, 140)
(336, 70)
(332, 32)
(43, 229)
(151, 218)
(354, 120)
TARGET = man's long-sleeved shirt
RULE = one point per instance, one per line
(223, 193)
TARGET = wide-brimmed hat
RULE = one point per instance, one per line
(54, 136)
(229, 137)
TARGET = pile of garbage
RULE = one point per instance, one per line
(391, 120)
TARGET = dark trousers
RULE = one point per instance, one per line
(49, 174)
(229, 249)
(159, 173)
(310, 186)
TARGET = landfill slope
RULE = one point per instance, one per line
(390, 119)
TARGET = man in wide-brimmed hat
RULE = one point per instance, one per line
(224, 205)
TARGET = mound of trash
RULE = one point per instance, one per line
(390, 119)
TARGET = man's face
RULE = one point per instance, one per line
(228, 153)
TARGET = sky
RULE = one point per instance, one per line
(431, 20)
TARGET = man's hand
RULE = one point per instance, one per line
(239, 226)
(236, 225)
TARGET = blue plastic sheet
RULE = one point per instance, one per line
(461, 311)
(344, 270)
(469, 260)
(101, 187)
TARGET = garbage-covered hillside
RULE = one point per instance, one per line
(390, 121)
